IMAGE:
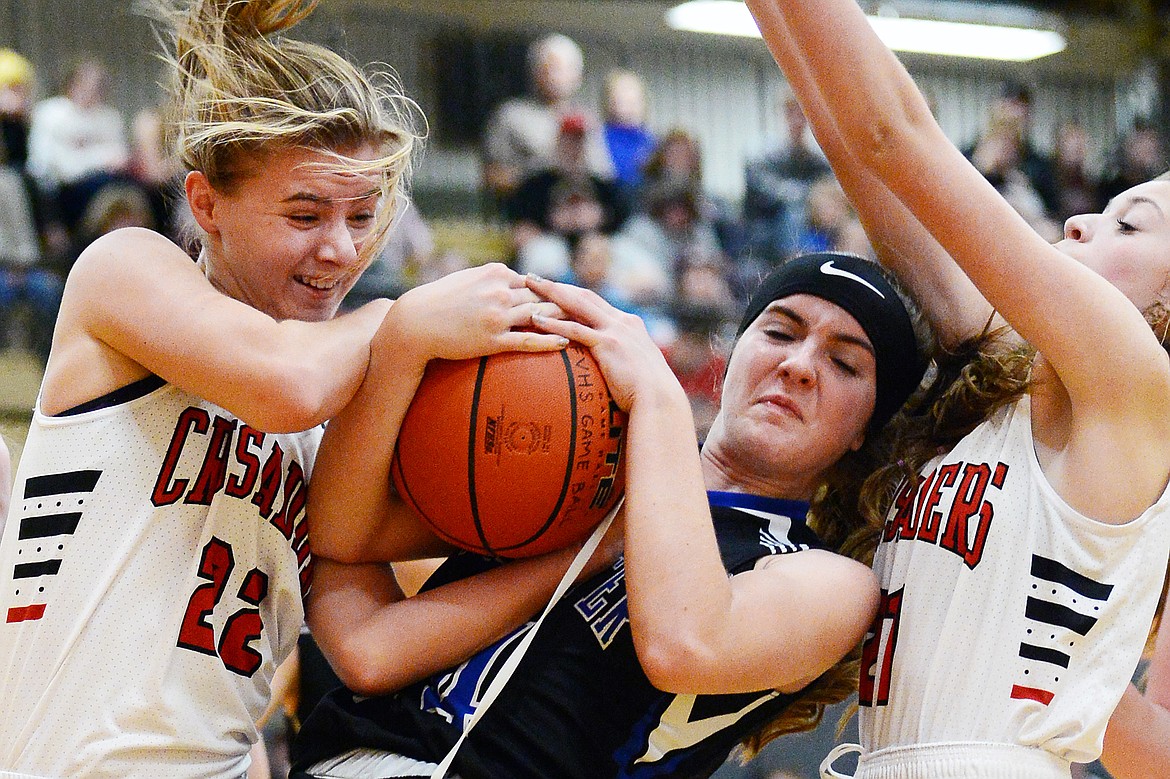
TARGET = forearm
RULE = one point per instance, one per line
(954, 306)
(379, 641)
(677, 598)
(1137, 741)
(352, 509)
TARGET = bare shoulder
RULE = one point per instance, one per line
(126, 251)
(115, 281)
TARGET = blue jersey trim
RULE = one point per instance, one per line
(793, 509)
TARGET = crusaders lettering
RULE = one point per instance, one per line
(235, 463)
(950, 507)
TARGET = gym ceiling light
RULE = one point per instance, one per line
(950, 30)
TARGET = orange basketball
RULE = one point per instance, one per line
(512, 455)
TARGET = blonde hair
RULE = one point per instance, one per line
(238, 90)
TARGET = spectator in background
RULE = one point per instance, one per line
(77, 142)
(696, 361)
(1077, 190)
(628, 138)
(776, 189)
(830, 222)
(1006, 156)
(16, 83)
(116, 205)
(557, 204)
(158, 172)
(650, 250)
(26, 285)
(1141, 157)
(677, 158)
(522, 132)
(25, 281)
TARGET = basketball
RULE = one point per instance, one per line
(514, 454)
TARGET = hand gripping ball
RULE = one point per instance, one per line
(513, 454)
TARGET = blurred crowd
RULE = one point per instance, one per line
(598, 196)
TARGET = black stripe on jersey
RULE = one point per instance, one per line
(1061, 616)
(1053, 571)
(131, 391)
(33, 570)
(1044, 655)
(60, 483)
(49, 525)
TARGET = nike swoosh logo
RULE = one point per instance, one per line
(828, 269)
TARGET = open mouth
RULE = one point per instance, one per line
(319, 284)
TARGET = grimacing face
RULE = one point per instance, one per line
(799, 392)
(288, 238)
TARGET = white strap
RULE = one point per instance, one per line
(509, 666)
(827, 771)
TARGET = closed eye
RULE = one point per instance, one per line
(779, 335)
(845, 366)
(1125, 227)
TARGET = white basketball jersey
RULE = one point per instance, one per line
(1010, 624)
(151, 577)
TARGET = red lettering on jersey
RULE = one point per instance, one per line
(215, 566)
(929, 519)
(903, 505)
(168, 489)
(244, 627)
(969, 504)
(294, 500)
(215, 462)
(916, 512)
(877, 653)
(241, 487)
(270, 480)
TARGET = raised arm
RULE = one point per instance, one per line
(695, 629)
(1083, 326)
(955, 307)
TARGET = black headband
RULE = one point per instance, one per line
(856, 285)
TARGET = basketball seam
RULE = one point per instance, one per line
(472, 442)
(571, 378)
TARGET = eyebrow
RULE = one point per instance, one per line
(1138, 200)
(315, 198)
(786, 312)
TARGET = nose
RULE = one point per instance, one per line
(1078, 228)
(337, 244)
(798, 366)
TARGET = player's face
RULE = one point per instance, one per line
(799, 392)
(288, 238)
(1129, 243)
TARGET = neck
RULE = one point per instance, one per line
(725, 474)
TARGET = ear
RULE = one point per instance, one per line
(857, 442)
(201, 196)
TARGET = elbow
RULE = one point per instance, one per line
(291, 399)
(361, 676)
(883, 143)
(357, 670)
(672, 662)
